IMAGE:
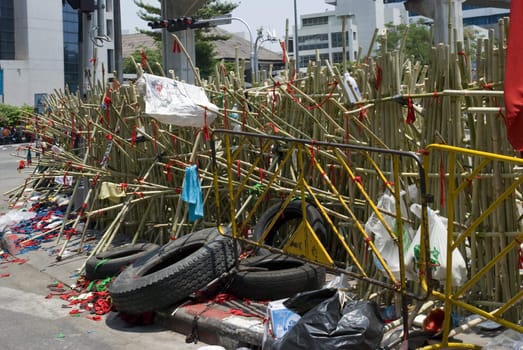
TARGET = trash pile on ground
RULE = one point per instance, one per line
(323, 165)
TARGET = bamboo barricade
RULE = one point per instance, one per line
(405, 106)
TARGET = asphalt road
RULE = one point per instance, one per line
(30, 321)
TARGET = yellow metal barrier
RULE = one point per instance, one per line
(456, 181)
(343, 183)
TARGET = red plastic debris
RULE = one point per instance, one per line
(434, 320)
(94, 318)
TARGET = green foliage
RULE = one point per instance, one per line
(149, 13)
(417, 40)
(205, 57)
(11, 115)
(153, 56)
(204, 48)
(213, 8)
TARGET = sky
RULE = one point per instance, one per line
(269, 14)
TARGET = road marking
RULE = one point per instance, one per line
(32, 304)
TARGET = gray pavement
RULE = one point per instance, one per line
(30, 321)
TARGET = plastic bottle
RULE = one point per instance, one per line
(351, 87)
(235, 118)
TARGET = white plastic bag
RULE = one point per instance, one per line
(13, 217)
(438, 251)
(382, 239)
(175, 102)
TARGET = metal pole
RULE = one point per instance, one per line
(296, 54)
(118, 57)
(259, 36)
(253, 55)
(165, 38)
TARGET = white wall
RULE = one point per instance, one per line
(39, 63)
(38, 67)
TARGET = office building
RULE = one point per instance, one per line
(47, 45)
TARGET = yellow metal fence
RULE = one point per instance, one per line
(343, 183)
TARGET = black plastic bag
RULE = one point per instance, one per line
(302, 302)
(355, 325)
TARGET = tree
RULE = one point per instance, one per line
(153, 57)
(203, 46)
(417, 41)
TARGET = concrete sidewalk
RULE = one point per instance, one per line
(208, 322)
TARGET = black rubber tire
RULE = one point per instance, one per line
(275, 276)
(171, 273)
(291, 212)
(111, 262)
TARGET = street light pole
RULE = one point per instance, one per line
(259, 42)
(253, 55)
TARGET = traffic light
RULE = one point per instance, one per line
(178, 24)
(82, 5)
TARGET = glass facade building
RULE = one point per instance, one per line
(7, 30)
(71, 48)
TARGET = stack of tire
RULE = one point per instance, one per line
(165, 276)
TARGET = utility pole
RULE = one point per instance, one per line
(296, 53)
(118, 56)
(447, 16)
(171, 58)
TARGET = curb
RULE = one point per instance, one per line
(213, 324)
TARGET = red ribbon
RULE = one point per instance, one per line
(206, 136)
(411, 115)
(284, 52)
(144, 59)
(379, 77)
(238, 168)
(95, 180)
(107, 103)
(169, 174)
(261, 174)
(327, 98)
(464, 54)
(133, 137)
(176, 47)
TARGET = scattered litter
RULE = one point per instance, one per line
(84, 297)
